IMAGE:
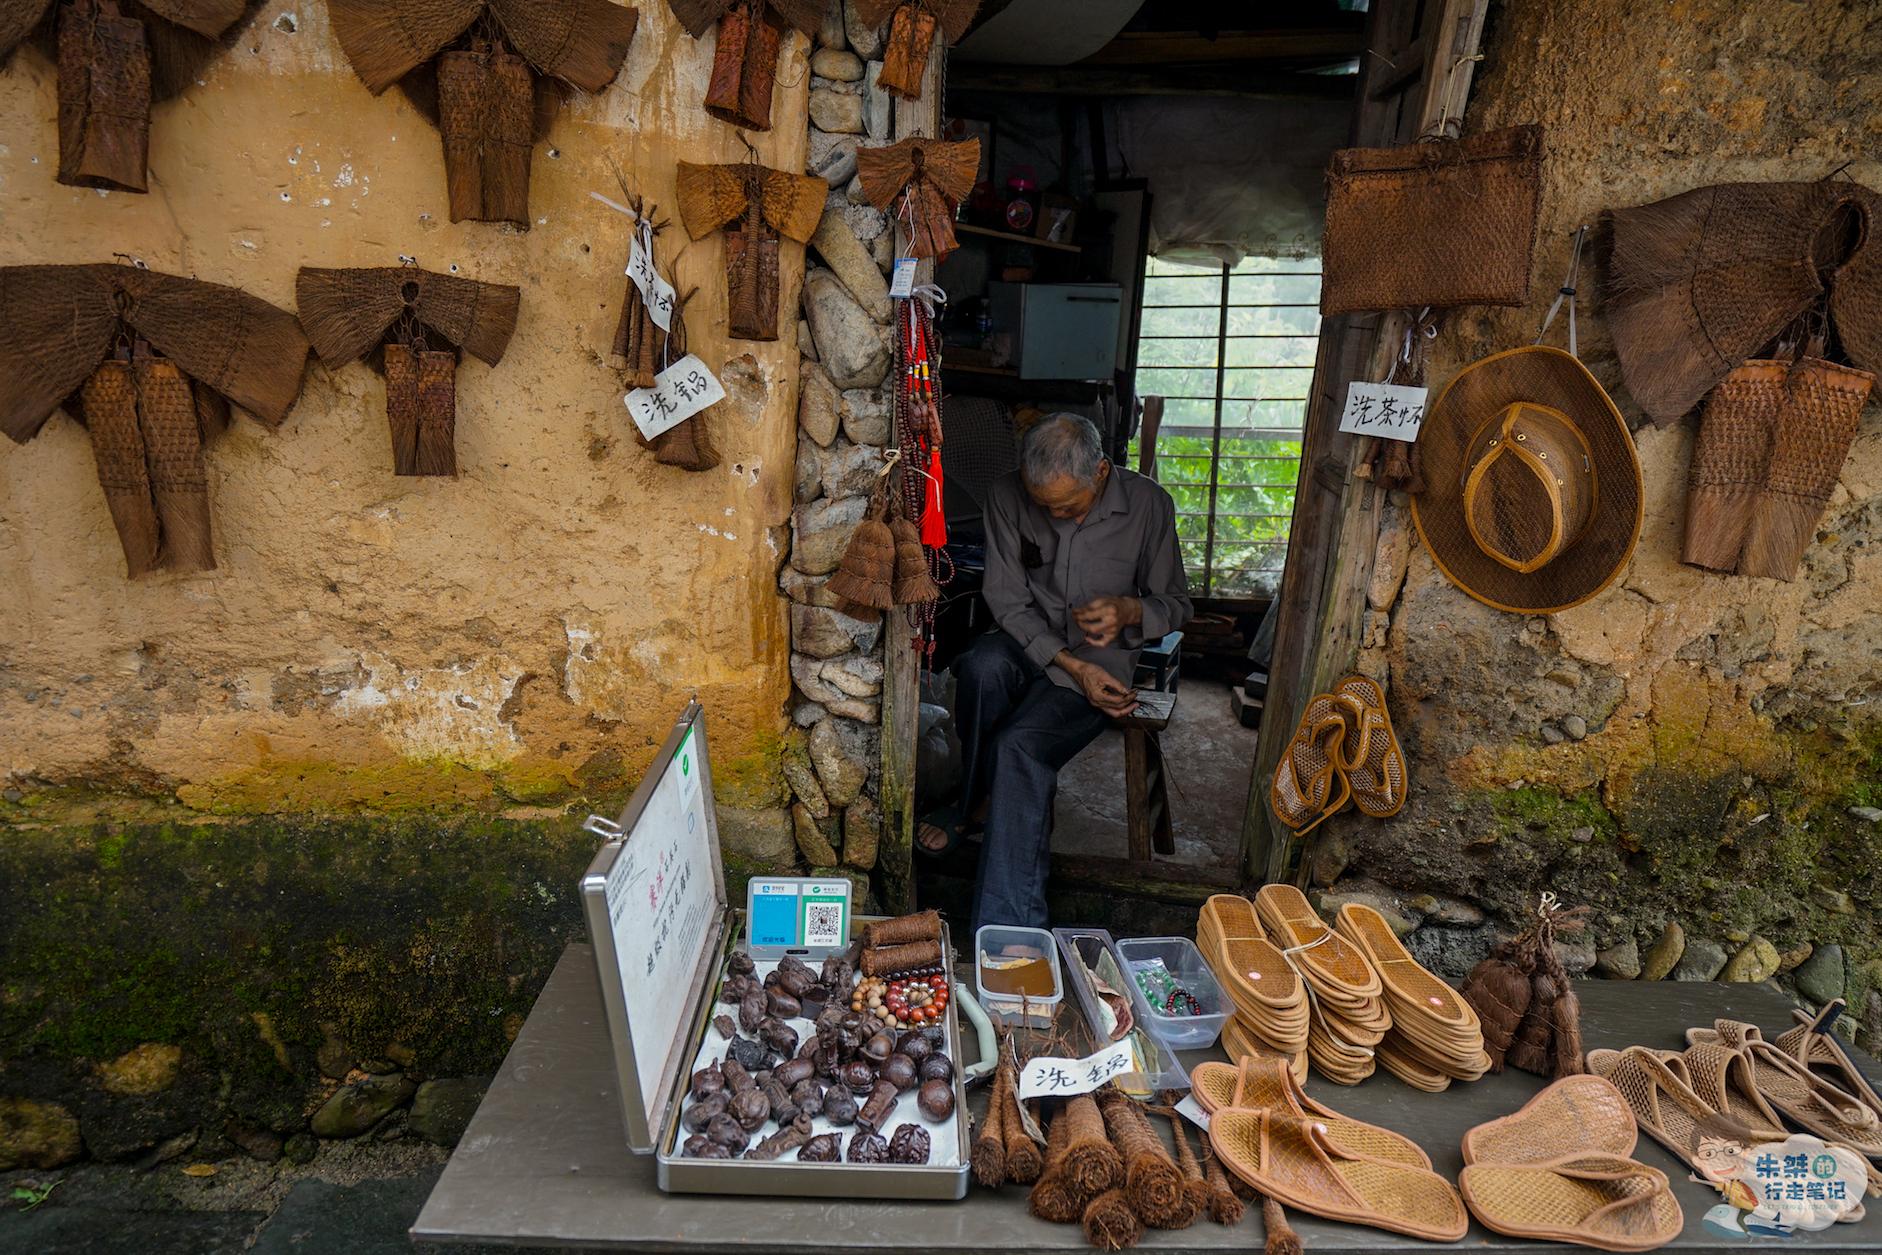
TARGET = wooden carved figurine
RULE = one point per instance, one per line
(150, 364)
(925, 179)
(756, 205)
(489, 73)
(913, 25)
(114, 61)
(745, 59)
(418, 321)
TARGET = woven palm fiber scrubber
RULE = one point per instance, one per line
(1699, 282)
(926, 180)
(755, 205)
(151, 364)
(913, 25)
(411, 316)
(1525, 1000)
(116, 59)
(487, 72)
(745, 55)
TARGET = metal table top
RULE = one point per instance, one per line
(545, 1163)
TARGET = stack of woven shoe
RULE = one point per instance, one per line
(1348, 1013)
(1271, 1013)
(1436, 1037)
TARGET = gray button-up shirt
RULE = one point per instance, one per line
(1039, 569)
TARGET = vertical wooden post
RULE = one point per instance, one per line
(901, 680)
(1407, 76)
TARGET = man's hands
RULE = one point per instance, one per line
(1102, 619)
(1102, 689)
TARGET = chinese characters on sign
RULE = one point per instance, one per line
(1385, 410)
(1047, 1076)
(1801, 1183)
(655, 291)
(679, 392)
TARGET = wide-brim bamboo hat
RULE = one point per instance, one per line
(1532, 499)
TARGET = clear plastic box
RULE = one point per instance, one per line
(1093, 947)
(1184, 961)
(1037, 1010)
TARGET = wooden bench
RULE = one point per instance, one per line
(1146, 780)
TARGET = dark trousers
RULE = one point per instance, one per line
(1017, 729)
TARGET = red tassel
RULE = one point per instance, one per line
(934, 520)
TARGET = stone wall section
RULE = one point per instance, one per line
(832, 759)
(1696, 757)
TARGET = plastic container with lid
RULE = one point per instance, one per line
(1029, 992)
(1184, 963)
(1087, 950)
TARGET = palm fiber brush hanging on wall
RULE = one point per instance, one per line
(745, 58)
(641, 350)
(418, 320)
(150, 364)
(486, 72)
(930, 177)
(913, 25)
(114, 61)
(756, 205)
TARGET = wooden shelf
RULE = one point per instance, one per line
(1013, 237)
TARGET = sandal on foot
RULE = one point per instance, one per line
(949, 821)
(1294, 1161)
(1603, 1201)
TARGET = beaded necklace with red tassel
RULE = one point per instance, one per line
(918, 433)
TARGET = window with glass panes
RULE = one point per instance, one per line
(1231, 351)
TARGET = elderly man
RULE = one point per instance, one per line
(1082, 569)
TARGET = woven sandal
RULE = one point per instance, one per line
(1309, 785)
(1374, 761)
(1332, 964)
(1294, 1162)
(1578, 1115)
(1805, 1098)
(1722, 1078)
(1667, 1110)
(1223, 916)
(1270, 1084)
(1613, 1204)
(1408, 1067)
(1813, 1044)
(1242, 1042)
(1424, 1009)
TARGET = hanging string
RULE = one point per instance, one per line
(1313, 1000)
(1567, 293)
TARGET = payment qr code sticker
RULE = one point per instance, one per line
(824, 923)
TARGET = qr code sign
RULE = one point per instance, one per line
(823, 923)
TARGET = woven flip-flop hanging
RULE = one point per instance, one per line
(150, 364)
(488, 72)
(745, 55)
(913, 25)
(756, 206)
(418, 320)
(114, 61)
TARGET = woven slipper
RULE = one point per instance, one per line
(1255, 975)
(1409, 1068)
(1241, 1042)
(1813, 1044)
(1722, 1078)
(1578, 1115)
(1668, 1111)
(1801, 1095)
(1423, 1008)
(1309, 785)
(1411, 1049)
(1294, 1162)
(1374, 761)
(1226, 915)
(1333, 965)
(1268, 1083)
(1613, 1204)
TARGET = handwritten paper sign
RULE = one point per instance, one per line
(1046, 1076)
(679, 392)
(1386, 410)
(655, 291)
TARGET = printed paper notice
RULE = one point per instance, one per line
(1046, 1076)
(679, 392)
(903, 285)
(1385, 410)
(656, 292)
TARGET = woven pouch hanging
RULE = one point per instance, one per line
(437, 413)
(914, 586)
(745, 67)
(1815, 426)
(1438, 223)
(905, 52)
(109, 400)
(751, 278)
(865, 575)
(401, 367)
(1728, 461)
(173, 450)
(486, 112)
(104, 97)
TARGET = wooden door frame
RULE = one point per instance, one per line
(1413, 74)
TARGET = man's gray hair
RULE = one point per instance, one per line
(1060, 444)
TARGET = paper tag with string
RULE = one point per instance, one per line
(679, 392)
(656, 292)
(902, 286)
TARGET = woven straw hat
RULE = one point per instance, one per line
(1532, 498)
